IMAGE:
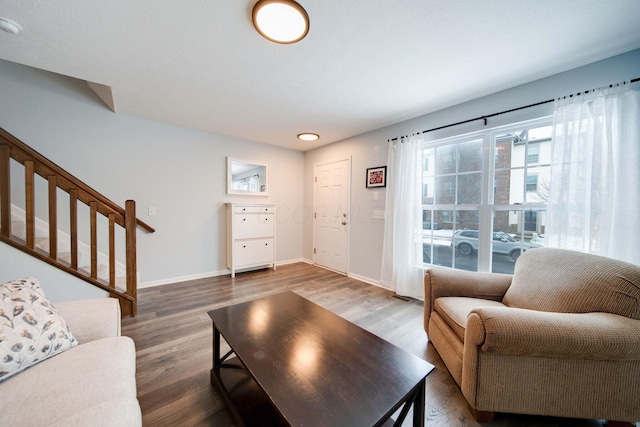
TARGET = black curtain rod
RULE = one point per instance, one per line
(496, 114)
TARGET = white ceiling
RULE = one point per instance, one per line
(365, 64)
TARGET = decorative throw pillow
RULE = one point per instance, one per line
(31, 330)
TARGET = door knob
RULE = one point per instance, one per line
(344, 222)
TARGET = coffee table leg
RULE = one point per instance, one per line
(418, 406)
(216, 352)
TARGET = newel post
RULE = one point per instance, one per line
(130, 242)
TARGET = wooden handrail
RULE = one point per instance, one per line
(21, 152)
(57, 178)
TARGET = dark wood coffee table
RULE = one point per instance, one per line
(298, 364)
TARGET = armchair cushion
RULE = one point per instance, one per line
(455, 310)
(445, 282)
(556, 280)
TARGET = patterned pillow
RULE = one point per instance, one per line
(31, 330)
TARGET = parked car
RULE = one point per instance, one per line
(466, 242)
(529, 236)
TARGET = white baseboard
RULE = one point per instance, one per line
(355, 276)
(291, 261)
(161, 282)
(367, 280)
(197, 276)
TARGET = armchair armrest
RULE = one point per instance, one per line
(92, 319)
(447, 282)
(599, 336)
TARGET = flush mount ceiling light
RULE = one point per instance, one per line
(9, 26)
(308, 136)
(281, 21)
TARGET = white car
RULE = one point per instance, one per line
(466, 242)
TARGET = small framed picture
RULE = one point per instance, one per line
(377, 177)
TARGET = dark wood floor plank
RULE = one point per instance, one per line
(173, 336)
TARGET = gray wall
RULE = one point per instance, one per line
(179, 171)
(371, 149)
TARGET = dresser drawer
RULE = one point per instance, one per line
(254, 209)
(253, 252)
(253, 225)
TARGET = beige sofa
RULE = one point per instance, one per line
(559, 337)
(92, 384)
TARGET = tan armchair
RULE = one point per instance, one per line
(559, 337)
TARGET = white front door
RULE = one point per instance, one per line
(331, 220)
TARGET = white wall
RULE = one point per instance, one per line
(371, 149)
(179, 171)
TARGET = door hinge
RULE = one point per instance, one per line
(315, 215)
(314, 251)
(315, 179)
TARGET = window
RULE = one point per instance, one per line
(487, 193)
(533, 152)
(425, 191)
(425, 164)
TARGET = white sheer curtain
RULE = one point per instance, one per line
(402, 251)
(594, 196)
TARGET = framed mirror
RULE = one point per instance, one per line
(247, 177)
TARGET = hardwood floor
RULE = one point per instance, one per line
(173, 336)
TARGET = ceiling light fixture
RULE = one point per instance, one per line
(281, 21)
(308, 136)
(9, 26)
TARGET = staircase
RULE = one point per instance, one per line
(85, 210)
(19, 230)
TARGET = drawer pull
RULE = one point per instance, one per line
(244, 219)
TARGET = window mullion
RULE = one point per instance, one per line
(485, 214)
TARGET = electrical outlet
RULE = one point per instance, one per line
(152, 211)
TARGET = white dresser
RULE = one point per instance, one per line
(251, 235)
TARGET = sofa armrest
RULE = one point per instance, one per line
(91, 319)
(448, 282)
(594, 336)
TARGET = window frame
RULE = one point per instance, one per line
(486, 208)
